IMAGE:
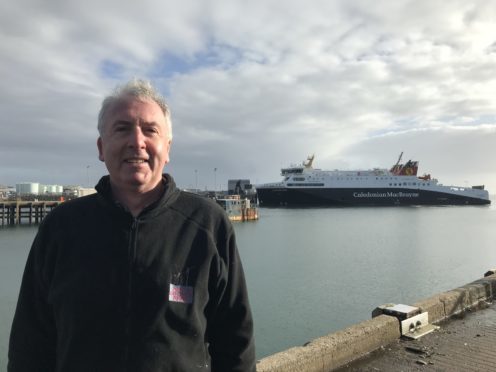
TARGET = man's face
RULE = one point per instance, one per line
(134, 144)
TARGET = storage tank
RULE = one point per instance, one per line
(27, 188)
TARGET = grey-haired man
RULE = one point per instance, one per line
(140, 276)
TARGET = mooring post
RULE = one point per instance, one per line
(12, 211)
(18, 212)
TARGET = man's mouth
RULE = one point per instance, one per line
(136, 161)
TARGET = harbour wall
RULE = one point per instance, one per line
(339, 348)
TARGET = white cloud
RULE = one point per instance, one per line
(253, 86)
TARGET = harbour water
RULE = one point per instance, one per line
(314, 271)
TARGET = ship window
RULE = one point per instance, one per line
(305, 184)
(390, 184)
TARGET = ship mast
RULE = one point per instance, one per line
(398, 162)
(396, 168)
(309, 161)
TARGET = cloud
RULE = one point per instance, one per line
(456, 155)
(254, 86)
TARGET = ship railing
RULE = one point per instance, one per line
(468, 190)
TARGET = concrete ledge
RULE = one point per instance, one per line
(434, 307)
(490, 282)
(454, 302)
(336, 349)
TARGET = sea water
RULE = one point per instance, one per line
(313, 271)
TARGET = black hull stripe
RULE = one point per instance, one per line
(358, 197)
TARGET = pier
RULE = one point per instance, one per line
(465, 341)
(18, 212)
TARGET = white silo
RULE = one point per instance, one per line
(27, 188)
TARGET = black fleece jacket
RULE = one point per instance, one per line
(104, 291)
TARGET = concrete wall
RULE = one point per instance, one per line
(336, 349)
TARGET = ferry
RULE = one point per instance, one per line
(303, 185)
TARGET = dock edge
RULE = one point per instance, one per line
(336, 349)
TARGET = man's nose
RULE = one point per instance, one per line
(136, 138)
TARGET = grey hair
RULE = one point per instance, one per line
(140, 89)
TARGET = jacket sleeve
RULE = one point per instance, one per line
(32, 337)
(231, 328)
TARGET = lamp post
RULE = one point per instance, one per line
(196, 180)
(215, 180)
(87, 176)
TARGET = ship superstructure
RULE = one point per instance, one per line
(304, 185)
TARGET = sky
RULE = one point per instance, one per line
(254, 86)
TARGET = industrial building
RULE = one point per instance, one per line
(239, 187)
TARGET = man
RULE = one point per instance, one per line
(140, 276)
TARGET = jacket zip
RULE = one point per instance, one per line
(133, 242)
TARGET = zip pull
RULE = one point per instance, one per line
(135, 223)
(133, 240)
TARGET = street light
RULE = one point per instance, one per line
(87, 176)
(215, 180)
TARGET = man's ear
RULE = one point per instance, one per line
(100, 148)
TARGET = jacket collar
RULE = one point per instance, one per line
(170, 193)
